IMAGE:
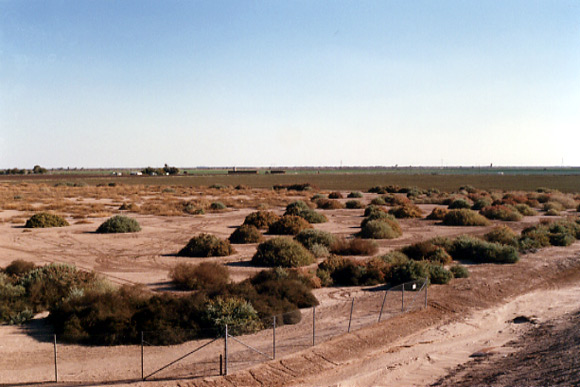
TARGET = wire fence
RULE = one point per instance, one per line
(37, 357)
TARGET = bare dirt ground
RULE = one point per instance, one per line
(418, 348)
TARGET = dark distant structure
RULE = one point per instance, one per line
(236, 171)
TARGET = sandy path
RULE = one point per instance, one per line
(424, 357)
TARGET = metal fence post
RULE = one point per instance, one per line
(313, 326)
(142, 362)
(383, 305)
(274, 338)
(226, 352)
(426, 287)
(403, 298)
(350, 318)
(55, 362)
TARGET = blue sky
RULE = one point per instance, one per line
(283, 83)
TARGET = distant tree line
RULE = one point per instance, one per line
(16, 171)
(161, 171)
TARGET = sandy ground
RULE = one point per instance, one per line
(418, 348)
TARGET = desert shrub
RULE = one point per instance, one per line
(206, 245)
(295, 187)
(19, 267)
(346, 272)
(464, 217)
(394, 257)
(477, 250)
(328, 204)
(501, 212)
(239, 315)
(261, 219)
(566, 201)
(312, 216)
(296, 207)
(288, 225)
(129, 207)
(379, 201)
(380, 229)
(206, 275)
(458, 204)
(283, 252)
(438, 213)
(44, 220)
(406, 211)
(355, 195)
(246, 234)
(217, 206)
(319, 251)
(439, 275)
(409, 271)
(444, 242)
(317, 196)
(354, 204)
(503, 235)
(525, 209)
(312, 237)
(219, 186)
(459, 271)
(119, 224)
(373, 209)
(426, 251)
(481, 203)
(355, 246)
(285, 284)
(552, 212)
(193, 209)
(554, 207)
(534, 237)
(335, 195)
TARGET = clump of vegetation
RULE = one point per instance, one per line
(464, 217)
(329, 204)
(354, 204)
(312, 216)
(206, 245)
(288, 225)
(19, 267)
(238, 314)
(501, 212)
(438, 213)
(560, 233)
(406, 211)
(246, 234)
(458, 204)
(481, 203)
(355, 246)
(283, 252)
(119, 224)
(261, 219)
(503, 235)
(525, 209)
(355, 195)
(206, 275)
(44, 220)
(217, 206)
(459, 271)
(296, 207)
(335, 195)
(439, 275)
(129, 207)
(380, 229)
(294, 187)
(379, 201)
(477, 250)
(347, 272)
(427, 251)
(373, 209)
(409, 271)
(553, 208)
(312, 237)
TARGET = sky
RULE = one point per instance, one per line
(272, 83)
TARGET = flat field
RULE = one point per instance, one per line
(416, 348)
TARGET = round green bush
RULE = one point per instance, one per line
(464, 217)
(439, 275)
(379, 201)
(355, 195)
(283, 252)
(296, 207)
(459, 203)
(354, 204)
(380, 229)
(246, 234)
(525, 209)
(119, 224)
(44, 220)
(206, 275)
(312, 216)
(459, 271)
(427, 251)
(481, 203)
(217, 206)
(501, 212)
(261, 219)
(206, 245)
(406, 211)
(312, 237)
(335, 195)
(380, 215)
(288, 225)
(373, 209)
(408, 272)
(503, 235)
(477, 250)
(329, 204)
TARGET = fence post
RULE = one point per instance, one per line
(426, 287)
(55, 362)
(313, 326)
(221, 364)
(350, 318)
(274, 338)
(226, 352)
(403, 298)
(383, 305)
(142, 362)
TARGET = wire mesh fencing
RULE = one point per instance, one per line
(27, 358)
